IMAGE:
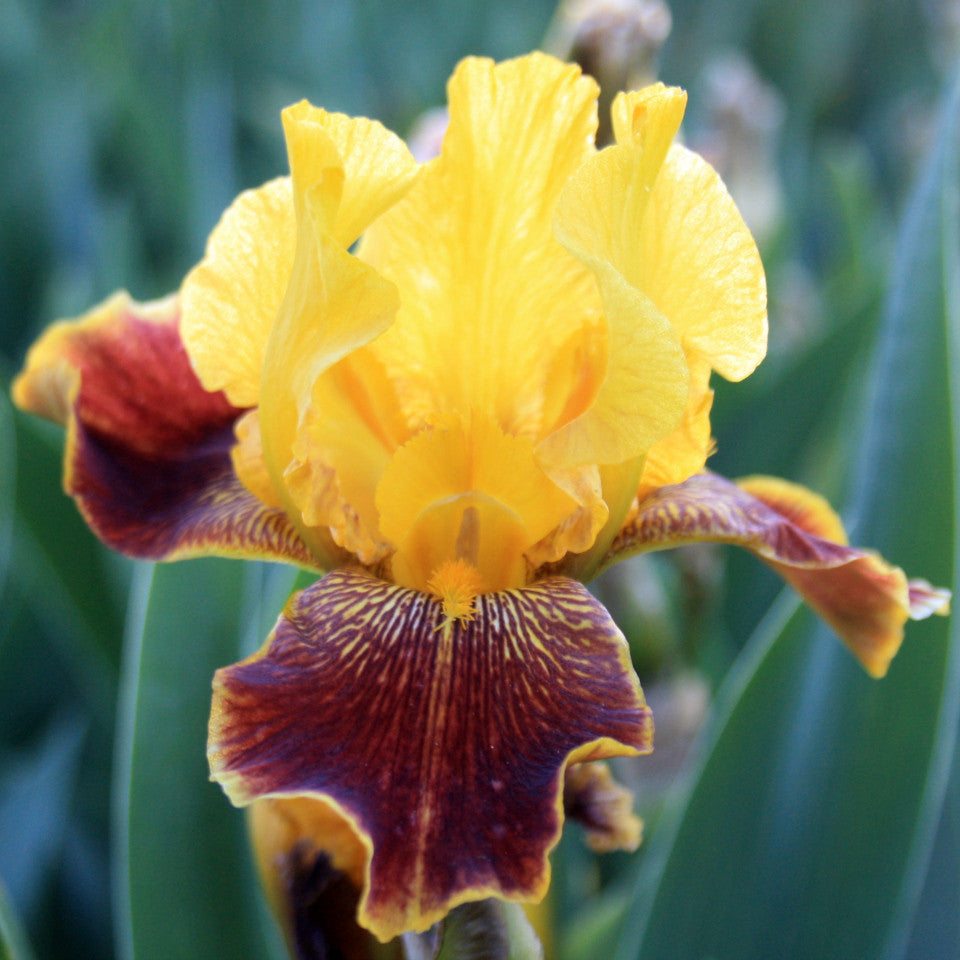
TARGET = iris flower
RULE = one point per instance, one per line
(459, 390)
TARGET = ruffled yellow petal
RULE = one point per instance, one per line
(375, 167)
(344, 172)
(345, 441)
(618, 487)
(248, 462)
(645, 390)
(465, 490)
(578, 531)
(698, 262)
(334, 305)
(600, 214)
(487, 293)
(355, 168)
(229, 301)
(683, 452)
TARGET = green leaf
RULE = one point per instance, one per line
(36, 790)
(13, 941)
(8, 484)
(186, 886)
(806, 829)
(53, 546)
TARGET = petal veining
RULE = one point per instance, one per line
(148, 449)
(334, 305)
(698, 262)
(444, 744)
(863, 598)
(377, 168)
(645, 390)
(684, 451)
(487, 294)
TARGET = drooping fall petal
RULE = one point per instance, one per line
(604, 808)
(863, 598)
(311, 866)
(443, 742)
(148, 449)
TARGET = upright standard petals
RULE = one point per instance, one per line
(598, 219)
(693, 254)
(698, 262)
(334, 305)
(230, 299)
(374, 168)
(644, 392)
(148, 449)
(487, 294)
(864, 599)
(443, 742)
(684, 451)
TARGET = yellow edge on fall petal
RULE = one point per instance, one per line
(48, 384)
(863, 598)
(317, 663)
(387, 927)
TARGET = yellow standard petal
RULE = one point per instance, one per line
(601, 213)
(488, 296)
(683, 452)
(376, 168)
(599, 216)
(344, 173)
(345, 440)
(645, 390)
(229, 301)
(698, 262)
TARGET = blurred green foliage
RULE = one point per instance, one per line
(129, 126)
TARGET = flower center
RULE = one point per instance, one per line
(456, 583)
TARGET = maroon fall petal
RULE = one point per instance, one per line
(863, 598)
(444, 743)
(148, 449)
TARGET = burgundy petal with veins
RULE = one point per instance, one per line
(148, 449)
(865, 599)
(445, 744)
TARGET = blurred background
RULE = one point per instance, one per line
(128, 126)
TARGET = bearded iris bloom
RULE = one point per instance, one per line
(458, 390)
